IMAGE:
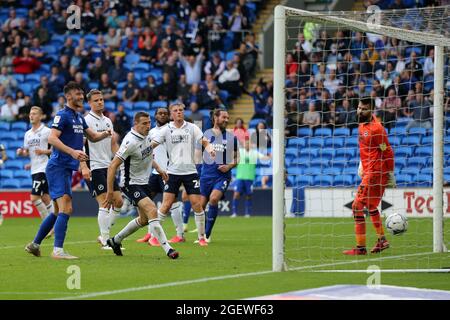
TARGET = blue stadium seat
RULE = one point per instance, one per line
(265, 171)
(345, 132)
(343, 180)
(417, 131)
(327, 153)
(400, 162)
(403, 152)
(93, 85)
(295, 171)
(254, 122)
(411, 141)
(335, 142)
(10, 184)
(141, 67)
(8, 136)
(417, 162)
(315, 142)
(21, 126)
(351, 142)
(424, 180)
(398, 131)
(18, 174)
(26, 88)
(297, 142)
(293, 152)
(142, 105)
(303, 180)
(25, 183)
(159, 104)
(301, 161)
(412, 171)
(332, 171)
(428, 170)
(319, 163)
(13, 145)
(428, 140)
(304, 132)
(394, 140)
(6, 174)
(312, 171)
(110, 106)
(426, 151)
(312, 152)
(4, 126)
(355, 132)
(347, 152)
(339, 162)
(13, 165)
(323, 132)
(121, 86)
(403, 179)
(33, 77)
(350, 170)
(132, 58)
(11, 154)
(19, 77)
(323, 181)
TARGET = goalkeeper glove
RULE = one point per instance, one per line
(391, 181)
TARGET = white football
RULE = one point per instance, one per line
(396, 224)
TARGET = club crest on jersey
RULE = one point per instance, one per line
(57, 119)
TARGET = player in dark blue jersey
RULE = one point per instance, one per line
(216, 173)
(68, 130)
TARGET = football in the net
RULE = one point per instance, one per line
(396, 223)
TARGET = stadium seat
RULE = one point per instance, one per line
(332, 171)
(11, 154)
(351, 142)
(18, 174)
(254, 122)
(319, 163)
(19, 77)
(398, 131)
(303, 180)
(424, 151)
(159, 104)
(132, 58)
(301, 161)
(403, 152)
(344, 132)
(13, 165)
(10, 184)
(417, 162)
(141, 67)
(323, 181)
(417, 131)
(327, 153)
(323, 132)
(412, 171)
(343, 180)
(291, 152)
(25, 183)
(394, 141)
(6, 174)
(350, 170)
(335, 142)
(296, 142)
(313, 171)
(21, 126)
(411, 141)
(339, 162)
(315, 142)
(295, 171)
(347, 152)
(33, 77)
(4, 126)
(427, 141)
(400, 162)
(142, 105)
(304, 132)
(403, 179)
(424, 180)
(8, 136)
(428, 170)
(311, 152)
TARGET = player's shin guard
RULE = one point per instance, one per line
(377, 223)
(129, 229)
(177, 218)
(61, 229)
(158, 232)
(161, 216)
(200, 223)
(41, 208)
(186, 211)
(103, 223)
(50, 208)
(211, 219)
(45, 228)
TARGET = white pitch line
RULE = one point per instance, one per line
(386, 271)
(50, 244)
(233, 276)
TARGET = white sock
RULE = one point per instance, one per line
(41, 207)
(129, 229)
(50, 208)
(57, 250)
(158, 232)
(200, 223)
(177, 217)
(103, 223)
(113, 215)
(161, 216)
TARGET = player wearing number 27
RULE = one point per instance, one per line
(377, 171)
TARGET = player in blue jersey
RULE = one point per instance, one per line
(66, 136)
(216, 173)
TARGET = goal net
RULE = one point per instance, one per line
(324, 64)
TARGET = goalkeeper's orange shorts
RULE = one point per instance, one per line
(371, 190)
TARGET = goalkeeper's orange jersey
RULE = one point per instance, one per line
(376, 153)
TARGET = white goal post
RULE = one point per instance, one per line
(357, 22)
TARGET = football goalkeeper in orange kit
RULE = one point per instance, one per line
(377, 171)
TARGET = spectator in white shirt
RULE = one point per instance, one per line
(192, 67)
(428, 67)
(332, 84)
(9, 110)
(215, 66)
(229, 80)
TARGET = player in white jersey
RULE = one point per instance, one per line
(180, 137)
(36, 146)
(156, 182)
(136, 154)
(95, 169)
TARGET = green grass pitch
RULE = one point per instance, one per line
(236, 265)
